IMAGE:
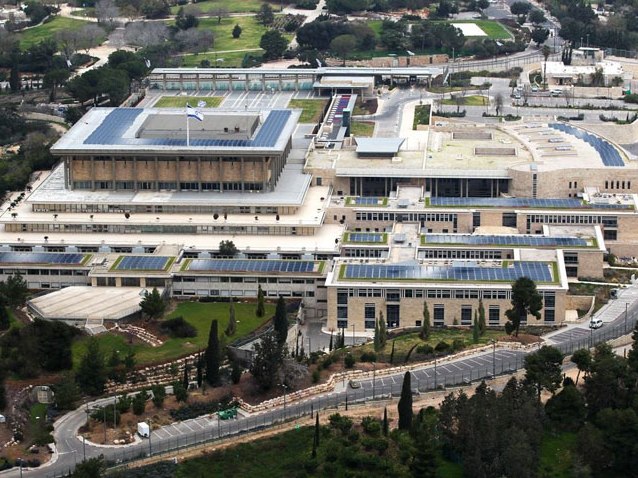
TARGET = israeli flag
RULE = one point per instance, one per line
(193, 113)
(147, 62)
(68, 63)
(201, 104)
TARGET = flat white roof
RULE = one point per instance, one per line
(85, 302)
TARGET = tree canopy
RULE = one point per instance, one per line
(525, 301)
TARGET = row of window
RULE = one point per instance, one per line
(154, 208)
(44, 272)
(397, 294)
(407, 217)
(169, 185)
(607, 221)
(241, 293)
(243, 280)
(619, 185)
(460, 254)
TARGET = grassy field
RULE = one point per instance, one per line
(244, 6)
(405, 342)
(493, 29)
(230, 60)
(250, 35)
(471, 100)
(557, 455)
(180, 101)
(362, 128)
(199, 315)
(311, 109)
(35, 35)
(84, 12)
(421, 116)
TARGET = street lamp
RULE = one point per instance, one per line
(285, 388)
(626, 313)
(493, 357)
(374, 378)
(353, 335)
(150, 433)
(434, 370)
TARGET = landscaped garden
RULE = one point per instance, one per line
(47, 30)
(312, 110)
(197, 314)
(180, 101)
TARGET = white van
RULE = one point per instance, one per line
(595, 324)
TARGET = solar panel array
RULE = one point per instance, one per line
(506, 202)
(608, 153)
(537, 271)
(40, 258)
(142, 263)
(112, 129)
(366, 237)
(541, 241)
(250, 265)
(366, 201)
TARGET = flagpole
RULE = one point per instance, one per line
(187, 130)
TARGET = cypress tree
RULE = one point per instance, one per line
(316, 440)
(231, 328)
(405, 403)
(211, 355)
(392, 354)
(330, 345)
(425, 325)
(481, 318)
(185, 379)
(343, 338)
(261, 309)
(475, 330)
(281, 321)
(383, 333)
(200, 370)
(377, 337)
(386, 427)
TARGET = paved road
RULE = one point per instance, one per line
(425, 378)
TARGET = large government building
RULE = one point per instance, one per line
(358, 229)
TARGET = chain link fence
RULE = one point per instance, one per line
(424, 379)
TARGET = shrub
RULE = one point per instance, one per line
(315, 376)
(177, 327)
(425, 349)
(194, 410)
(368, 357)
(457, 345)
(632, 98)
(371, 426)
(442, 347)
(139, 402)
(349, 360)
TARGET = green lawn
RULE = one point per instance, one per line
(35, 35)
(557, 455)
(199, 315)
(230, 60)
(421, 116)
(243, 6)
(84, 12)
(493, 29)
(362, 128)
(180, 101)
(311, 109)
(376, 26)
(471, 100)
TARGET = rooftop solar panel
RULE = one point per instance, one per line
(142, 263)
(490, 240)
(40, 258)
(365, 237)
(607, 152)
(537, 271)
(506, 202)
(118, 121)
(250, 265)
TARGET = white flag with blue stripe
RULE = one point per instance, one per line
(201, 104)
(193, 113)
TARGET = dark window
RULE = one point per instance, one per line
(476, 219)
(509, 219)
(494, 315)
(342, 324)
(342, 312)
(342, 298)
(439, 315)
(610, 235)
(466, 315)
(550, 315)
(370, 312)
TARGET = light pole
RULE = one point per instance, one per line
(493, 358)
(284, 387)
(374, 378)
(353, 335)
(626, 313)
(150, 433)
(309, 346)
(434, 370)
(84, 446)
(104, 416)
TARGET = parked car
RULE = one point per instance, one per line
(354, 384)
(595, 323)
(556, 92)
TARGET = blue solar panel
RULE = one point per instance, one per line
(40, 258)
(142, 263)
(507, 202)
(607, 152)
(365, 201)
(540, 241)
(463, 271)
(365, 237)
(250, 265)
(121, 119)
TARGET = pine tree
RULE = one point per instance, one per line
(330, 345)
(91, 374)
(377, 337)
(315, 441)
(212, 355)
(481, 318)
(343, 338)
(231, 328)
(476, 333)
(386, 426)
(425, 326)
(281, 321)
(261, 309)
(405, 403)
